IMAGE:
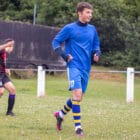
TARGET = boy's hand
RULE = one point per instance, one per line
(69, 57)
(8, 72)
(96, 58)
(10, 43)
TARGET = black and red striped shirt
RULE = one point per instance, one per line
(3, 57)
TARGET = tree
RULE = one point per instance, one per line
(117, 22)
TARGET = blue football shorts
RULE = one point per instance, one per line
(78, 79)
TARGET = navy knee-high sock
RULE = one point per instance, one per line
(11, 101)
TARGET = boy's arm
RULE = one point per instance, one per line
(96, 52)
(57, 42)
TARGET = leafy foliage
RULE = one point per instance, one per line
(118, 24)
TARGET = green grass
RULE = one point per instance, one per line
(105, 113)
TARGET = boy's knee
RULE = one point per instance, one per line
(78, 98)
(12, 90)
(77, 95)
(1, 94)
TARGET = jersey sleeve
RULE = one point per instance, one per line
(96, 44)
(61, 37)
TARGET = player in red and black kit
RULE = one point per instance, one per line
(5, 82)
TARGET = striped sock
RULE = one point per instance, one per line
(67, 108)
(76, 113)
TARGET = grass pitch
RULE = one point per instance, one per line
(105, 113)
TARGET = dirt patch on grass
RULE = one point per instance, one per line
(108, 76)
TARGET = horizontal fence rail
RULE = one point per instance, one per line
(62, 70)
(130, 72)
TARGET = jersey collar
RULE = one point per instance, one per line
(81, 24)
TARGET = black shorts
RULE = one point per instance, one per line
(3, 79)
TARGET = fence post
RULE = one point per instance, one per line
(40, 82)
(130, 85)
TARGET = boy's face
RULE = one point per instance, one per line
(9, 49)
(85, 16)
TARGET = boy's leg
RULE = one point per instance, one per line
(1, 87)
(67, 108)
(75, 85)
(76, 110)
(11, 99)
(11, 102)
(61, 113)
(77, 98)
(1, 91)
